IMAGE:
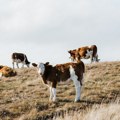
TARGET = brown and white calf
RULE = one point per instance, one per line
(61, 73)
(84, 53)
(20, 58)
(7, 71)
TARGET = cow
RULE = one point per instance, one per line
(7, 71)
(20, 58)
(85, 52)
(52, 75)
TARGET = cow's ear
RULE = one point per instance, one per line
(69, 51)
(34, 64)
(47, 63)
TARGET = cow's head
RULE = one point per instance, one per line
(28, 64)
(77, 56)
(41, 67)
(72, 54)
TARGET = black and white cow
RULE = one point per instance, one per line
(61, 73)
(20, 58)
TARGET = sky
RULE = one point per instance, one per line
(45, 30)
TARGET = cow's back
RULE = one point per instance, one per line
(16, 56)
(64, 69)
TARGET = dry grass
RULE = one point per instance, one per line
(24, 97)
(97, 112)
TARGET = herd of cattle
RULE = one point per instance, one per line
(51, 75)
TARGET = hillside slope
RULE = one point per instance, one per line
(24, 96)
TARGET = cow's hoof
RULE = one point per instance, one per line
(77, 100)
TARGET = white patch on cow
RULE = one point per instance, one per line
(17, 60)
(53, 94)
(74, 77)
(89, 54)
(41, 68)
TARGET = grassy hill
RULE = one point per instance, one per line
(24, 97)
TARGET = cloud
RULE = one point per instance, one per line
(55, 21)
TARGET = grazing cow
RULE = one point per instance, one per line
(61, 73)
(84, 53)
(20, 58)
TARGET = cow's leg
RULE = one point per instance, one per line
(96, 58)
(51, 94)
(23, 64)
(89, 54)
(54, 94)
(78, 89)
(13, 65)
(91, 59)
(17, 64)
(77, 83)
(53, 89)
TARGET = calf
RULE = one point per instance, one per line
(7, 71)
(84, 53)
(20, 58)
(61, 73)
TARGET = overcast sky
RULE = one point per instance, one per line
(46, 29)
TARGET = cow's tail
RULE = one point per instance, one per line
(82, 67)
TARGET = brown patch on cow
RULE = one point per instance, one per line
(7, 71)
(83, 51)
(50, 74)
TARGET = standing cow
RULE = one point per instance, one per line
(84, 53)
(61, 73)
(20, 58)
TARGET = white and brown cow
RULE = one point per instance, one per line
(84, 53)
(20, 58)
(7, 71)
(61, 73)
